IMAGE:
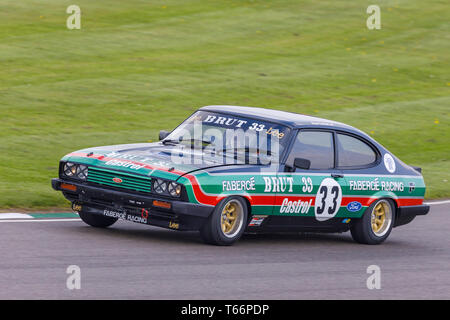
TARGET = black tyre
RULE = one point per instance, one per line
(96, 220)
(227, 223)
(376, 224)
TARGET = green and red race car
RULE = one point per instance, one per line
(228, 169)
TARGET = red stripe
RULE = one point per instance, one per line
(364, 200)
(279, 200)
(267, 200)
(409, 202)
(367, 201)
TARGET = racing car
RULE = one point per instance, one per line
(227, 170)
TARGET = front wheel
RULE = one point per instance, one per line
(96, 220)
(227, 222)
(376, 224)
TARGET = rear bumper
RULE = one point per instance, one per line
(182, 215)
(407, 214)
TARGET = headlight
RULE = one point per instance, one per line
(82, 172)
(174, 189)
(159, 186)
(164, 187)
(74, 170)
(70, 169)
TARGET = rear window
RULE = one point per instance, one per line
(353, 152)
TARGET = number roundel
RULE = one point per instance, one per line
(328, 199)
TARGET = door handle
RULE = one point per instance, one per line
(337, 175)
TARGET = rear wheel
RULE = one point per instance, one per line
(227, 223)
(376, 224)
(96, 220)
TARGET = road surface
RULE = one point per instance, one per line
(132, 261)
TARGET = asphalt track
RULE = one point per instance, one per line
(132, 261)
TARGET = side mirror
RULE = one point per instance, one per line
(302, 163)
(163, 134)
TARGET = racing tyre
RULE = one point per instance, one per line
(376, 224)
(227, 222)
(96, 220)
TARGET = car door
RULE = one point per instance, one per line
(315, 191)
(357, 159)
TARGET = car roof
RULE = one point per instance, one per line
(291, 119)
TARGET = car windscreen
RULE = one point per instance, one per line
(244, 139)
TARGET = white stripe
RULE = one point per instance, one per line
(437, 202)
(313, 174)
(40, 220)
(13, 215)
(382, 176)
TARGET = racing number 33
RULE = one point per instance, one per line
(328, 199)
(324, 191)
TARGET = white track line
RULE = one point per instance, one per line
(13, 215)
(41, 220)
(438, 202)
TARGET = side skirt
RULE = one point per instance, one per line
(299, 224)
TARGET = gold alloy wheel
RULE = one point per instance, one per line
(381, 218)
(231, 218)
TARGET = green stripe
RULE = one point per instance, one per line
(54, 215)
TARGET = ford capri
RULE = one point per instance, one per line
(227, 170)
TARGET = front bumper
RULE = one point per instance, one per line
(407, 214)
(182, 215)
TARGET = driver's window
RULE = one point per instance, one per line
(315, 146)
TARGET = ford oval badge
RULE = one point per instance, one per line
(354, 206)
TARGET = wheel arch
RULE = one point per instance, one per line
(249, 207)
(246, 197)
(392, 198)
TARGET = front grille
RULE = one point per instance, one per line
(128, 181)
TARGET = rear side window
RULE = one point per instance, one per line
(315, 146)
(353, 152)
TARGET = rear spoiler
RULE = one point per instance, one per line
(418, 169)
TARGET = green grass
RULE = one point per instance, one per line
(137, 67)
